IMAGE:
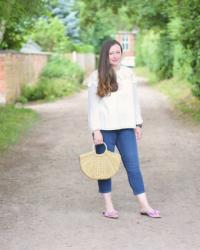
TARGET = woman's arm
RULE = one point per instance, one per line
(93, 108)
(138, 114)
(93, 114)
(97, 137)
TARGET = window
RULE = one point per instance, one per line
(125, 42)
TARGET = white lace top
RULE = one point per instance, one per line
(119, 110)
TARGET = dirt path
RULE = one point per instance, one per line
(47, 204)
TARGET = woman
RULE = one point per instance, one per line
(114, 118)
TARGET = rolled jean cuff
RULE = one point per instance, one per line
(104, 192)
(137, 193)
(105, 186)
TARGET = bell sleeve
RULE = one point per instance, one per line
(93, 103)
(138, 114)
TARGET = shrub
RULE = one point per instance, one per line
(139, 60)
(83, 48)
(182, 60)
(157, 53)
(165, 56)
(60, 77)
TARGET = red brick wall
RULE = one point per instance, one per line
(16, 70)
(85, 60)
(2, 80)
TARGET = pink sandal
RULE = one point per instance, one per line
(154, 214)
(111, 214)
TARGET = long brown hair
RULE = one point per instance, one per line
(107, 80)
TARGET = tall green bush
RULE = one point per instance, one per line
(182, 62)
(163, 53)
(156, 52)
(189, 13)
(60, 77)
(149, 49)
(182, 56)
(165, 56)
(139, 60)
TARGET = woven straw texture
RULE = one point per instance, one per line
(100, 166)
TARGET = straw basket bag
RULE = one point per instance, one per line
(100, 166)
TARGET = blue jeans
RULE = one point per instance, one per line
(125, 140)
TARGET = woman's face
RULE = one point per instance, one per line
(115, 55)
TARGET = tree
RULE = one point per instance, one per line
(50, 35)
(98, 23)
(145, 14)
(189, 13)
(65, 12)
(17, 17)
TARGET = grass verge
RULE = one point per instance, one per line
(13, 123)
(179, 92)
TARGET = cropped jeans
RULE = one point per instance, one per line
(125, 141)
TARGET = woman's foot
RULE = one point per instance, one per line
(146, 209)
(109, 208)
(153, 213)
(112, 214)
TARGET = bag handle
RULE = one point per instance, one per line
(99, 144)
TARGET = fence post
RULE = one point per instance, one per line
(74, 56)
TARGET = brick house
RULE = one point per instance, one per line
(127, 40)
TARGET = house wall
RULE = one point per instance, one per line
(131, 42)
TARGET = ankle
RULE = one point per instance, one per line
(146, 208)
(109, 207)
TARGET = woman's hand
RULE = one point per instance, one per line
(97, 137)
(138, 133)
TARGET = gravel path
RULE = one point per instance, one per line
(47, 204)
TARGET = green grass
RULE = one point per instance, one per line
(179, 92)
(13, 123)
